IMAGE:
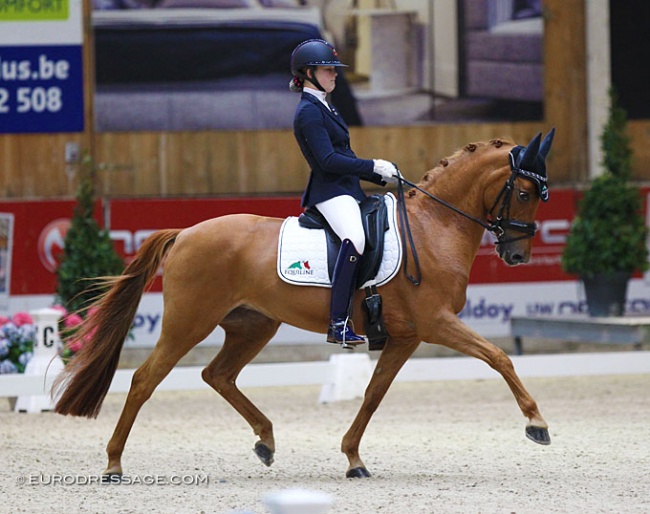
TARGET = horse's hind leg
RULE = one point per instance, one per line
(247, 332)
(176, 339)
(145, 379)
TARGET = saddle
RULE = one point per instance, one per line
(374, 216)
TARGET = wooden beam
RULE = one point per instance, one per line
(565, 88)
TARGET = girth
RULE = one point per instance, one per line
(374, 216)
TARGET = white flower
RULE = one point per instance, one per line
(7, 366)
(25, 358)
(4, 347)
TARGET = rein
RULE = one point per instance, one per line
(496, 226)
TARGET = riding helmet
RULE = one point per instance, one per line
(312, 53)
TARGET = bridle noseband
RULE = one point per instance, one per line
(497, 225)
(502, 222)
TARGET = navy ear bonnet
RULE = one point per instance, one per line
(530, 162)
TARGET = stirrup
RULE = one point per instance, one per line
(340, 332)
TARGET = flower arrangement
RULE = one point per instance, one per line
(16, 342)
(17, 334)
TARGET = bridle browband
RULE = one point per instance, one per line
(496, 225)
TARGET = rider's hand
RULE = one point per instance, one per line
(387, 170)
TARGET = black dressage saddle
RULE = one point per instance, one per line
(374, 216)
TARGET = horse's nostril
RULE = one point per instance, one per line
(517, 258)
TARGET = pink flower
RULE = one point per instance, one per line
(72, 320)
(61, 309)
(4, 320)
(22, 318)
(76, 345)
(90, 335)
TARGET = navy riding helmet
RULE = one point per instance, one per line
(312, 53)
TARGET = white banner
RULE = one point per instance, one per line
(488, 310)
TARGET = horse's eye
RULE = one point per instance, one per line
(524, 196)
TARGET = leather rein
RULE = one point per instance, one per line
(497, 225)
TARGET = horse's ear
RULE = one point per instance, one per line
(546, 144)
(528, 156)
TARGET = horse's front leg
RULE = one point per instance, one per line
(247, 332)
(391, 360)
(453, 333)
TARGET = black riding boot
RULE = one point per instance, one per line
(343, 286)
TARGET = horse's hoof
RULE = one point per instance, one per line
(264, 453)
(358, 473)
(111, 478)
(538, 434)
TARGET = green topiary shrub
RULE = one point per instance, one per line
(89, 252)
(609, 234)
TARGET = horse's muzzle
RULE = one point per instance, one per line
(512, 255)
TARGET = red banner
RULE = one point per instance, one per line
(40, 228)
(553, 223)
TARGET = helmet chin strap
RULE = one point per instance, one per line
(314, 80)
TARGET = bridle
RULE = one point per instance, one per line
(497, 225)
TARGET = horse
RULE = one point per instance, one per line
(222, 272)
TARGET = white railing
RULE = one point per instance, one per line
(345, 376)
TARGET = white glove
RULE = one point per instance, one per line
(387, 170)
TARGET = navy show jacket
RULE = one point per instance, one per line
(324, 140)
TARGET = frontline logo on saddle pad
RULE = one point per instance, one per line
(302, 252)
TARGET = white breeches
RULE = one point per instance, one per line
(344, 216)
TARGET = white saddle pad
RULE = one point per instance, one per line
(302, 252)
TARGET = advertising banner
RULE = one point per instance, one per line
(160, 68)
(41, 68)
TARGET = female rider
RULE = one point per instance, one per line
(334, 183)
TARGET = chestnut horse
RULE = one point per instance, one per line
(223, 272)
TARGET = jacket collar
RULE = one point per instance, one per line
(335, 117)
(319, 95)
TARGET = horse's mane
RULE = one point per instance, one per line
(460, 154)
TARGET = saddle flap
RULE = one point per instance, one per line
(374, 216)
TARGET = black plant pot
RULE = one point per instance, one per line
(606, 293)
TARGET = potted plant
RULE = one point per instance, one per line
(607, 240)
